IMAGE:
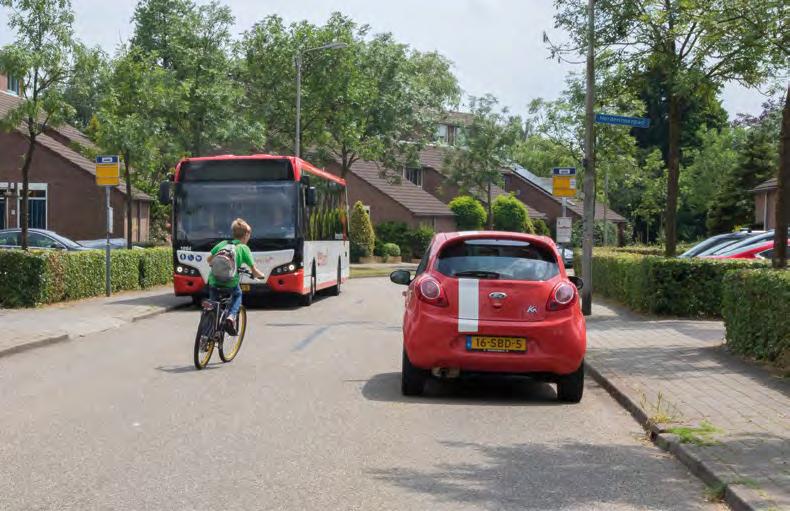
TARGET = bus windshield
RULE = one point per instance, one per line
(205, 210)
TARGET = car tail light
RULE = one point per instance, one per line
(562, 296)
(430, 290)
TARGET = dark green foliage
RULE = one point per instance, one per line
(661, 285)
(756, 308)
(29, 279)
(470, 215)
(541, 227)
(510, 214)
(391, 250)
(418, 240)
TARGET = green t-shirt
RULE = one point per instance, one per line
(243, 256)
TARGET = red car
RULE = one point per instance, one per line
(493, 302)
(757, 251)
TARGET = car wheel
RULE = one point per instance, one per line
(571, 386)
(412, 378)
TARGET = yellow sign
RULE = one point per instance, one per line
(108, 171)
(564, 186)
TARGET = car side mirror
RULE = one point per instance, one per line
(164, 192)
(401, 277)
(577, 281)
(312, 196)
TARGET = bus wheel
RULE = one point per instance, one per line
(336, 290)
(307, 300)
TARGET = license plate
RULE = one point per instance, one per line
(491, 343)
(245, 287)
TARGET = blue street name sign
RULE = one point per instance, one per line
(107, 159)
(563, 171)
(634, 122)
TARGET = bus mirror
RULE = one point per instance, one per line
(164, 192)
(312, 196)
(305, 180)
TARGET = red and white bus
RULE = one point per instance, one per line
(298, 214)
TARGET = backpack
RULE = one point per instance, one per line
(223, 266)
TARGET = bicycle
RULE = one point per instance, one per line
(212, 331)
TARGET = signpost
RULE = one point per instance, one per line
(563, 185)
(636, 122)
(108, 174)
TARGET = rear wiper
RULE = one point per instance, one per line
(480, 274)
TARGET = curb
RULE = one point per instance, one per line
(57, 339)
(737, 497)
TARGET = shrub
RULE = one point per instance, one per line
(660, 285)
(391, 250)
(541, 227)
(361, 232)
(510, 214)
(418, 240)
(31, 278)
(755, 307)
(469, 213)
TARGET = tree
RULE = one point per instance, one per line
(470, 215)
(361, 233)
(374, 99)
(510, 214)
(41, 57)
(688, 44)
(783, 189)
(476, 166)
(87, 84)
(129, 121)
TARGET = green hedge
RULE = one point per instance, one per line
(31, 278)
(660, 285)
(756, 308)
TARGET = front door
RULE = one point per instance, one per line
(2, 212)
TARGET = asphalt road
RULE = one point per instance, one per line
(309, 416)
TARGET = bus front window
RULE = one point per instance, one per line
(205, 210)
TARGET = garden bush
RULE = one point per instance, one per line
(661, 285)
(361, 233)
(391, 250)
(37, 277)
(541, 228)
(510, 214)
(418, 240)
(755, 308)
(470, 215)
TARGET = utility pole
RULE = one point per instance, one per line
(298, 62)
(589, 167)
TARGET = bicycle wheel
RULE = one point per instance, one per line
(204, 344)
(230, 346)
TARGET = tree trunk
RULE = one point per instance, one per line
(490, 209)
(23, 213)
(783, 190)
(673, 175)
(128, 178)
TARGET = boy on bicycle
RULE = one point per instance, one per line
(225, 260)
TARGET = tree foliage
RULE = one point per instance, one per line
(510, 214)
(361, 233)
(470, 215)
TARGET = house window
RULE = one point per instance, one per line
(413, 175)
(36, 208)
(13, 85)
(441, 134)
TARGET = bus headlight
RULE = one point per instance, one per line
(183, 269)
(285, 268)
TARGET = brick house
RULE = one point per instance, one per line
(63, 194)
(537, 191)
(765, 203)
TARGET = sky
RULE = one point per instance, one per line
(496, 45)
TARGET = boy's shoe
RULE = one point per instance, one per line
(230, 326)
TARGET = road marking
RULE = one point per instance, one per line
(468, 304)
(310, 338)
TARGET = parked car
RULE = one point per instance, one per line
(492, 302)
(745, 243)
(567, 257)
(764, 250)
(99, 244)
(713, 243)
(37, 238)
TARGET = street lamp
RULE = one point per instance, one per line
(298, 61)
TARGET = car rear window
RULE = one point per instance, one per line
(497, 259)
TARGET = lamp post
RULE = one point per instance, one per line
(298, 62)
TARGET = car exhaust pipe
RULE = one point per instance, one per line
(446, 372)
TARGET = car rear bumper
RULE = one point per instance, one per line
(555, 345)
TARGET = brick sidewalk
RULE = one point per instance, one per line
(677, 370)
(26, 328)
